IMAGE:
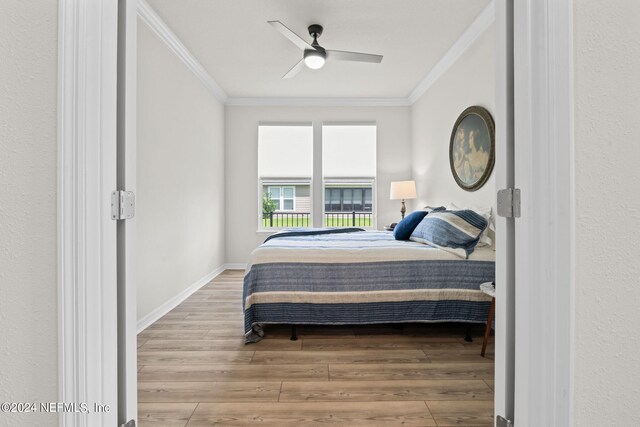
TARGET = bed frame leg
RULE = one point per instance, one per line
(467, 336)
(294, 337)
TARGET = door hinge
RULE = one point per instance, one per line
(509, 203)
(130, 423)
(123, 205)
(503, 422)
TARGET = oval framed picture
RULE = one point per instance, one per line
(472, 149)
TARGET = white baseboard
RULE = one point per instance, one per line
(156, 314)
(235, 266)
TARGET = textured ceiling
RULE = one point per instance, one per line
(247, 57)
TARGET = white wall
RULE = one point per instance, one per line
(469, 81)
(180, 173)
(28, 141)
(393, 163)
(607, 218)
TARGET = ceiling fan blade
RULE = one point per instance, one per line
(341, 55)
(295, 70)
(296, 39)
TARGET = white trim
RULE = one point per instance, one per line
(544, 248)
(87, 266)
(470, 35)
(164, 33)
(317, 102)
(156, 314)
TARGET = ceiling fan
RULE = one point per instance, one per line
(315, 55)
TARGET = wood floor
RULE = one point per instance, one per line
(195, 370)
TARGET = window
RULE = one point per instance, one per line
(286, 173)
(349, 172)
(348, 199)
(283, 197)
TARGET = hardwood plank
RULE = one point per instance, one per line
(399, 336)
(208, 391)
(459, 357)
(450, 331)
(164, 334)
(356, 356)
(491, 383)
(425, 343)
(236, 344)
(215, 316)
(209, 306)
(369, 391)
(226, 333)
(219, 291)
(230, 284)
(462, 413)
(232, 311)
(234, 372)
(411, 371)
(308, 331)
(173, 315)
(165, 414)
(212, 299)
(226, 284)
(198, 324)
(303, 413)
(193, 357)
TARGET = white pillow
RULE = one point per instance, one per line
(486, 238)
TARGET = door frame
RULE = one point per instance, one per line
(126, 230)
(544, 245)
(505, 277)
(86, 250)
(87, 263)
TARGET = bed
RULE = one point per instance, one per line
(361, 277)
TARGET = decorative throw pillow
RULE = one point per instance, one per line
(405, 227)
(487, 238)
(455, 231)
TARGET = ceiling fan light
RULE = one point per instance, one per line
(314, 59)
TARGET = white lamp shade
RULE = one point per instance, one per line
(403, 190)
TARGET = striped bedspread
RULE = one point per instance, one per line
(364, 277)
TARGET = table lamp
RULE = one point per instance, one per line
(403, 190)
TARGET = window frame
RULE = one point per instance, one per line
(282, 199)
(363, 182)
(282, 182)
(317, 181)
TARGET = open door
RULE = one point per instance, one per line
(505, 225)
(126, 181)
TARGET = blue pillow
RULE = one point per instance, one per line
(405, 227)
(455, 231)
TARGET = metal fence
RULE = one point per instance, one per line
(348, 219)
(286, 219)
(331, 219)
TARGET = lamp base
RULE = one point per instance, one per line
(403, 209)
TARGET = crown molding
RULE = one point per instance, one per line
(317, 102)
(470, 35)
(160, 29)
